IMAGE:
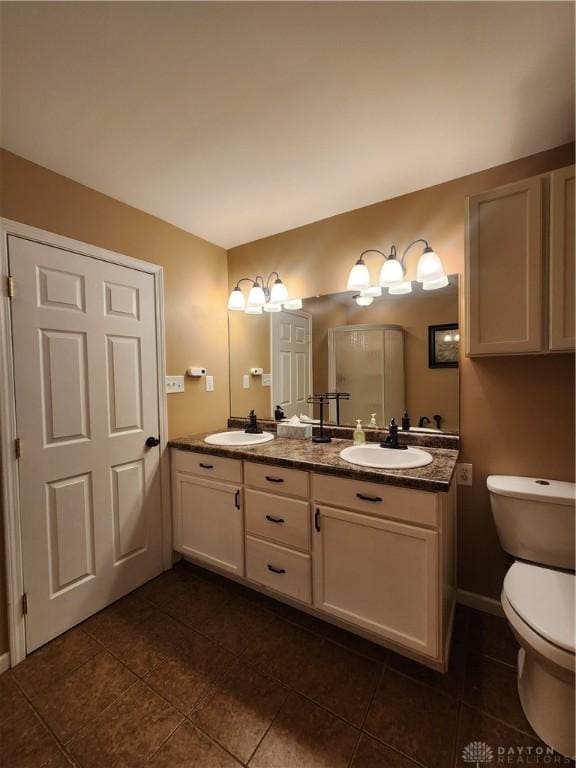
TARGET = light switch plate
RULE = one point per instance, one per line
(464, 474)
(174, 384)
(266, 379)
(209, 383)
(246, 381)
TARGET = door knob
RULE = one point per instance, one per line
(152, 441)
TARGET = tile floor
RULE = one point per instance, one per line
(193, 671)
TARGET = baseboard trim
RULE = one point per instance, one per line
(4, 662)
(479, 602)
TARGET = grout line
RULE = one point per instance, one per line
(172, 732)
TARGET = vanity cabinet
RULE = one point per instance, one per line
(378, 574)
(519, 270)
(207, 513)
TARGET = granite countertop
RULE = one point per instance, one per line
(324, 458)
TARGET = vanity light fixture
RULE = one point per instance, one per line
(429, 271)
(267, 295)
(363, 301)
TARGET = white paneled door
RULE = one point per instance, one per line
(291, 345)
(85, 359)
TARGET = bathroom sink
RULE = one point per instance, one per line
(372, 455)
(238, 438)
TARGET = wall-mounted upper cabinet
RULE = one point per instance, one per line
(562, 261)
(510, 263)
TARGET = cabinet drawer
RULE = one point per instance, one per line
(279, 518)
(280, 569)
(404, 504)
(292, 482)
(205, 465)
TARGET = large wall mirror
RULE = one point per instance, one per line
(398, 354)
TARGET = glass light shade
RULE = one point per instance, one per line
(359, 277)
(448, 337)
(256, 297)
(293, 304)
(405, 287)
(253, 310)
(270, 307)
(236, 300)
(429, 268)
(433, 285)
(373, 290)
(278, 293)
(364, 301)
(391, 273)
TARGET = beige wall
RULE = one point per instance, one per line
(195, 274)
(516, 414)
(250, 348)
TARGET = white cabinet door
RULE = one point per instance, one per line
(504, 270)
(379, 575)
(85, 363)
(208, 522)
(562, 259)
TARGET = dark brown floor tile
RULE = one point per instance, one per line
(340, 680)
(451, 682)
(414, 719)
(491, 636)
(76, 699)
(301, 619)
(235, 624)
(188, 748)
(128, 732)
(26, 743)
(165, 587)
(57, 658)
(140, 646)
(461, 623)
(502, 740)
(305, 736)
(113, 621)
(12, 701)
(356, 643)
(492, 687)
(193, 601)
(240, 708)
(373, 754)
(283, 651)
(189, 670)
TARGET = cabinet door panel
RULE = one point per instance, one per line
(208, 522)
(504, 270)
(562, 259)
(380, 575)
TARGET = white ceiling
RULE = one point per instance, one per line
(239, 120)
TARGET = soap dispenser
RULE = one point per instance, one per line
(373, 420)
(359, 434)
(405, 422)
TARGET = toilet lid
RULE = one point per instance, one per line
(544, 599)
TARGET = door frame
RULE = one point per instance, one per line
(296, 313)
(8, 430)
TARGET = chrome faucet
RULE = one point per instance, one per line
(252, 427)
(392, 440)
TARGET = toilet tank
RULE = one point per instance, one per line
(535, 518)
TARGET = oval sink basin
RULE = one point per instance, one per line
(238, 438)
(372, 455)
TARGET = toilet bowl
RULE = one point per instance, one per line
(535, 522)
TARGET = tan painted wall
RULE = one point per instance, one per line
(250, 345)
(195, 274)
(516, 414)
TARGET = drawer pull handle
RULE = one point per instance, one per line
(272, 479)
(237, 499)
(366, 497)
(275, 519)
(276, 570)
(317, 520)
(207, 466)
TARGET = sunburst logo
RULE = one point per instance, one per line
(478, 753)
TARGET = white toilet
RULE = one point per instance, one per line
(535, 522)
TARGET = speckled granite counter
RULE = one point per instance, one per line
(324, 458)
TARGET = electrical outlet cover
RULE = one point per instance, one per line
(266, 379)
(246, 381)
(209, 383)
(464, 474)
(174, 384)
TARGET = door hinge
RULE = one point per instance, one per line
(17, 448)
(10, 286)
(24, 603)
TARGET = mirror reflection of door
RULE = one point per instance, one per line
(367, 361)
(291, 363)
